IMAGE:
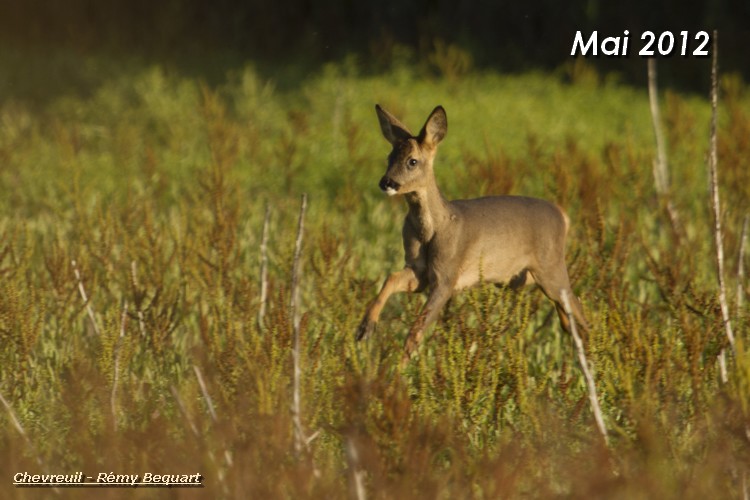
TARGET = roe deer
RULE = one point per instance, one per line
(452, 245)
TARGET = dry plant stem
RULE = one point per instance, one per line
(13, 418)
(22, 432)
(184, 412)
(299, 435)
(723, 373)
(661, 166)
(264, 269)
(741, 265)
(206, 396)
(661, 172)
(739, 295)
(194, 430)
(82, 291)
(141, 324)
(116, 377)
(352, 458)
(715, 201)
(300, 439)
(211, 410)
(593, 398)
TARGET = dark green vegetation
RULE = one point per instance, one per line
(503, 34)
(156, 184)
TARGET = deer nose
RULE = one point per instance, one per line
(388, 185)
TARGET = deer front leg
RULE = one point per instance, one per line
(435, 303)
(405, 280)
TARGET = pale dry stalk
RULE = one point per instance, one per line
(299, 435)
(660, 163)
(209, 402)
(116, 377)
(301, 440)
(593, 398)
(22, 432)
(357, 474)
(134, 273)
(741, 265)
(84, 296)
(716, 204)
(181, 405)
(264, 269)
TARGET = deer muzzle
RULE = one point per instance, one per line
(389, 186)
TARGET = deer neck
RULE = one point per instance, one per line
(428, 210)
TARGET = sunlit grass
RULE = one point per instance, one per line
(156, 183)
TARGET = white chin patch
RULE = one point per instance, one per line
(390, 191)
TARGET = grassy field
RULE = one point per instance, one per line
(144, 187)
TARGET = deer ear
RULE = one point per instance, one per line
(393, 130)
(434, 128)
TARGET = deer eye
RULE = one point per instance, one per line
(412, 162)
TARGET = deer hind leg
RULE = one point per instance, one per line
(405, 280)
(553, 282)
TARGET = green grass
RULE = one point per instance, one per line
(155, 183)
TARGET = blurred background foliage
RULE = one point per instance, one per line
(504, 35)
(141, 142)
